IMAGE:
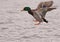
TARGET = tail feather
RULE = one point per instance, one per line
(45, 20)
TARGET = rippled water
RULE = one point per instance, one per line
(17, 26)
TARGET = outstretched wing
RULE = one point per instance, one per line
(44, 7)
(49, 9)
(47, 4)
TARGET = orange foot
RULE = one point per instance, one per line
(37, 23)
(35, 20)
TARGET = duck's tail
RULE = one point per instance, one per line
(45, 20)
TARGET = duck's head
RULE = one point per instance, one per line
(26, 9)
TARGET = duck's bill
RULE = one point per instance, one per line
(22, 10)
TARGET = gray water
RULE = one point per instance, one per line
(17, 26)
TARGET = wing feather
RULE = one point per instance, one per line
(47, 4)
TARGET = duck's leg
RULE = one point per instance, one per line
(35, 20)
(37, 23)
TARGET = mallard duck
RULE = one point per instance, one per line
(40, 12)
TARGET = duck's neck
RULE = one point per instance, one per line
(30, 12)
